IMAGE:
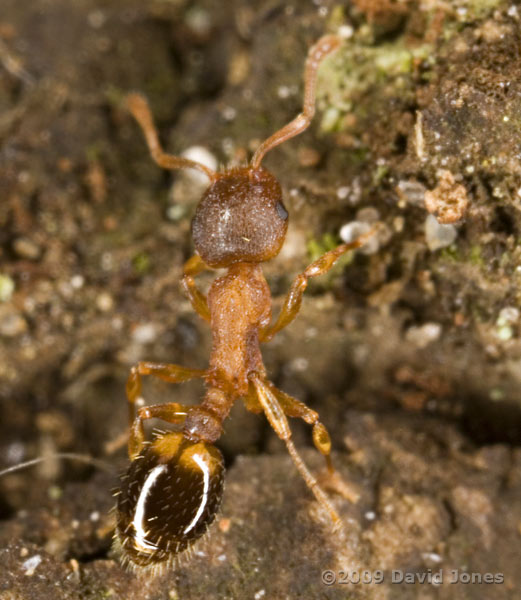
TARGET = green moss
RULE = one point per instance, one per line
(358, 68)
(380, 173)
(505, 260)
(358, 156)
(478, 9)
(450, 254)
(316, 248)
(496, 394)
(114, 95)
(141, 263)
(475, 257)
(93, 152)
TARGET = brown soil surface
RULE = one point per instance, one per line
(411, 353)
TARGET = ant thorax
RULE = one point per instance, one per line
(240, 218)
(240, 306)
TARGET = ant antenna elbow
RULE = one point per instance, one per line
(317, 53)
(138, 107)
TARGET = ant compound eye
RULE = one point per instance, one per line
(281, 211)
(168, 498)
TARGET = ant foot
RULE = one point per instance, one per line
(334, 483)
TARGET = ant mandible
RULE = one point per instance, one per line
(173, 487)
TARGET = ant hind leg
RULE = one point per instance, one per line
(171, 412)
(321, 439)
(295, 408)
(278, 421)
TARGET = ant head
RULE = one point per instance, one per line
(168, 498)
(240, 218)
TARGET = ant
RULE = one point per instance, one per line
(173, 487)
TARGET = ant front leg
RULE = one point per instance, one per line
(278, 421)
(167, 372)
(193, 267)
(293, 300)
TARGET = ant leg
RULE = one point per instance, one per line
(277, 419)
(170, 413)
(193, 267)
(293, 299)
(140, 110)
(295, 408)
(166, 372)
(316, 54)
(332, 481)
(251, 400)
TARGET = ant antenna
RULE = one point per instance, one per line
(325, 46)
(140, 110)
(100, 464)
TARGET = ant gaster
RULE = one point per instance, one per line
(173, 487)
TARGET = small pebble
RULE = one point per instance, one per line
(431, 557)
(308, 157)
(505, 333)
(412, 191)
(343, 192)
(199, 21)
(11, 323)
(77, 281)
(299, 364)
(201, 155)
(96, 19)
(353, 230)
(508, 316)
(31, 564)
(423, 335)
(368, 214)
(145, 334)
(26, 248)
(229, 113)
(346, 31)
(438, 235)
(6, 288)
(15, 453)
(175, 212)
(104, 302)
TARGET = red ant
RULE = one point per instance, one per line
(173, 487)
